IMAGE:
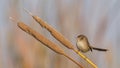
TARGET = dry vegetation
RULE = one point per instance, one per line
(58, 36)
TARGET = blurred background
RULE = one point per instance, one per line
(97, 19)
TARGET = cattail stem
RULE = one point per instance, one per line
(85, 58)
(73, 61)
(45, 41)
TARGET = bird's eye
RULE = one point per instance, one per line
(81, 37)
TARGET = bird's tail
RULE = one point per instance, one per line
(99, 49)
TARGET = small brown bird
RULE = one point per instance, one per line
(84, 46)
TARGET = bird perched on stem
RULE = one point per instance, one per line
(83, 44)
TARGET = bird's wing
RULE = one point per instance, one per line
(89, 46)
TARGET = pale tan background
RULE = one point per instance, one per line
(99, 20)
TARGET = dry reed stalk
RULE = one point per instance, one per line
(57, 35)
(85, 58)
(45, 41)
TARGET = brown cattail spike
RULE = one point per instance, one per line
(44, 40)
(53, 32)
(40, 38)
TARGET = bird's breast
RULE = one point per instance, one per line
(83, 46)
